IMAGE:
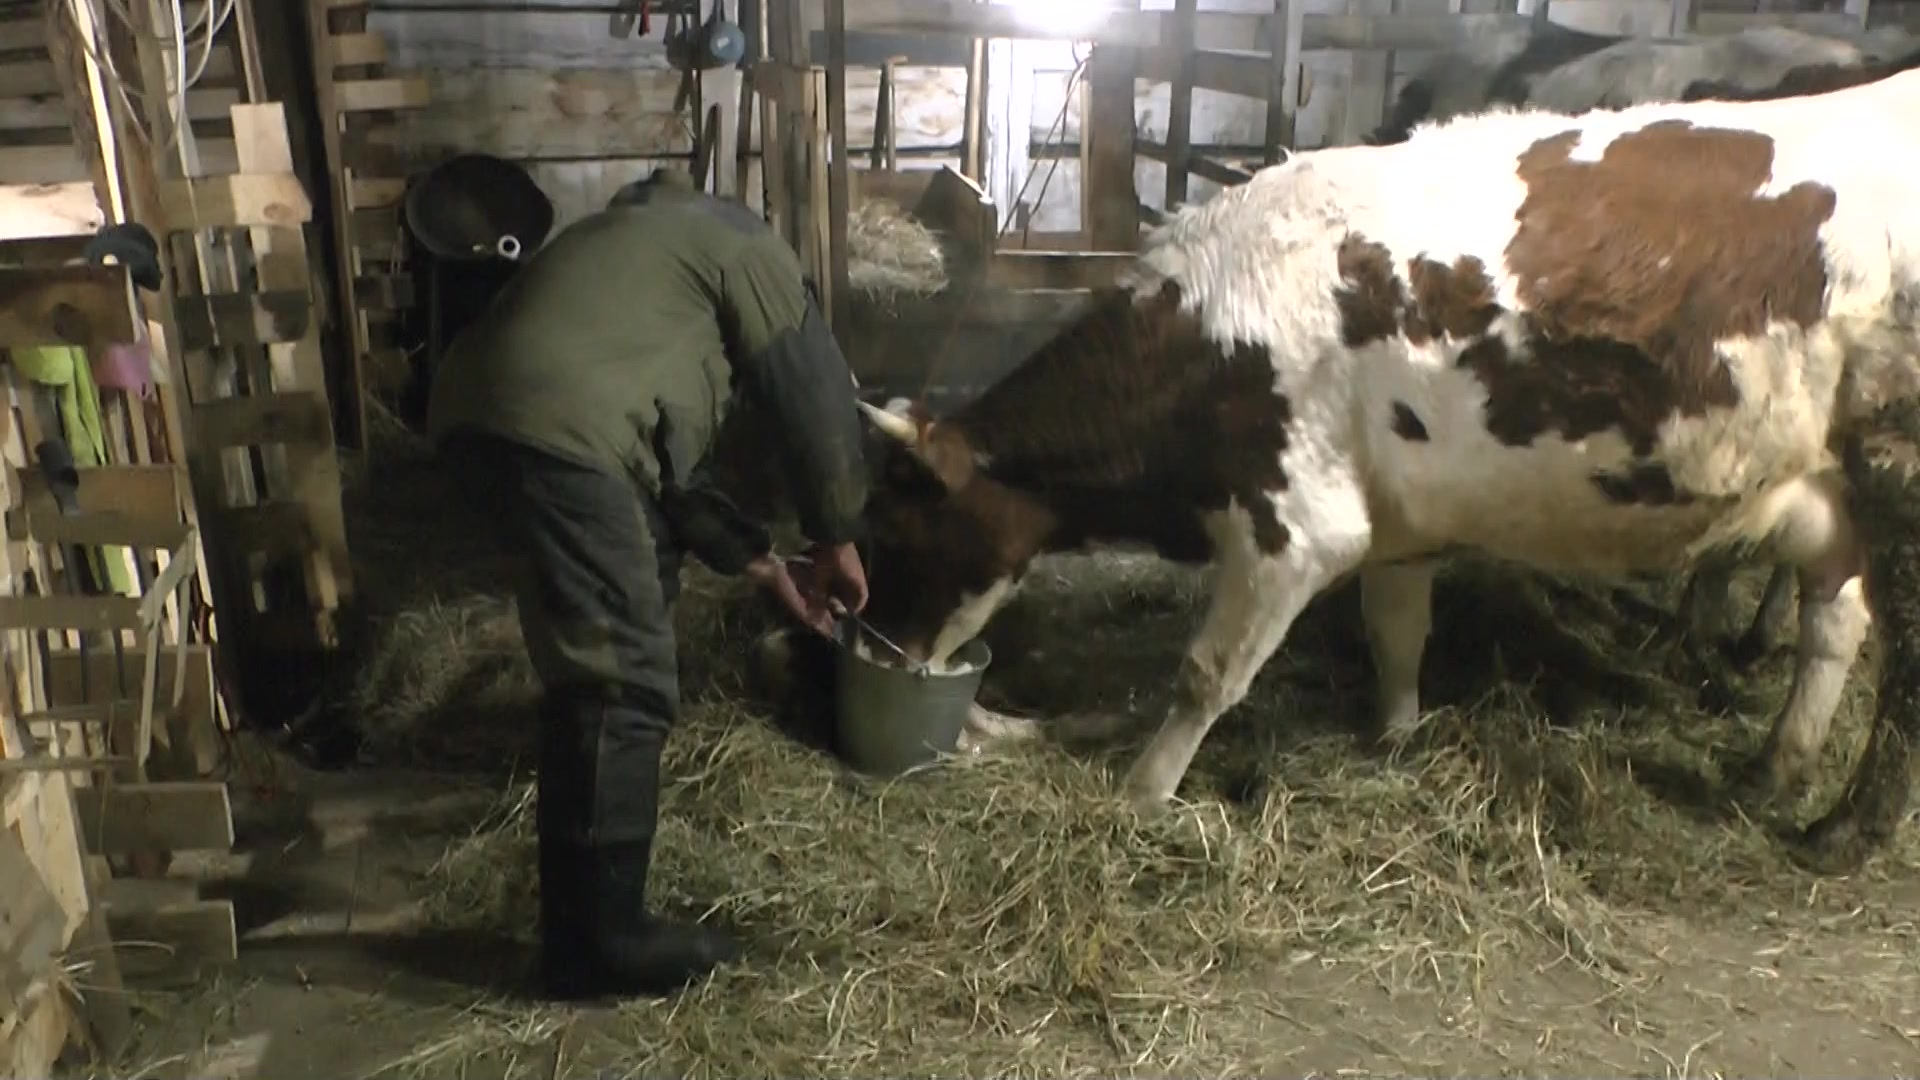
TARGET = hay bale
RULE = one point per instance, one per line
(890, 253)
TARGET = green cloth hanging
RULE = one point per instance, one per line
(65, 368)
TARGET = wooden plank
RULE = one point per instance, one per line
(59, 164)
(24, 78)
(374, 95)
(44, 250)
(357, 50)
(955, 206)
(1180, 105)
(33, 1046)
(1244, 74)
(1058, 269)
(66, 305)
(179, 940)
(287, 417)
(527, 113)
(96, 529)
(47, 210)
(1285, 38)
(553, 40)
(270, 199)
(105, 613)
(836, 105)
(363, 192)
(180, 815)
(903, 188)
(272, 528)
(145, 491)
(393, 292)
(193, 730)
(1113, 216)
(33, 925)
(264, 318)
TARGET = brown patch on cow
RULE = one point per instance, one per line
(1577, 389)
(1645, 484)
(1634, 266)
(1434, 300)
(1457, 301)
(1374, 299)
(1406, 423)
(1127, 427)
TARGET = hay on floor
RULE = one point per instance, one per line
(1006, 915)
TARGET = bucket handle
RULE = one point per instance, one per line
(918, 668)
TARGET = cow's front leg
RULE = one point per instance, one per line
(1256, 596)
(1818, 537)
(1396, 602)
(1769, 620)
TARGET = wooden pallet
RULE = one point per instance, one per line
(81, 783)
(267, 475)
(357, 95)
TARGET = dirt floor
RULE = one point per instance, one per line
(1547, 883)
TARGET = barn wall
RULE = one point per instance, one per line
(586, 111)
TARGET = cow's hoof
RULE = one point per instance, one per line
(984, 727)
(1748, 650)
(1834, 846)
(1149, 805)
(1762, 781)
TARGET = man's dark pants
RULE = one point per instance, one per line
(597, 575)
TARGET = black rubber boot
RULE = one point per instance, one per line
(596, 936)
(610, 946)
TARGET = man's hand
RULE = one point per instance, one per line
(838, 575)
(770, 573)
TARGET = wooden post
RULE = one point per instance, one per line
(1114, 219)
(1180, 104)
(973, 162)
(1285, 36)
(837, 162)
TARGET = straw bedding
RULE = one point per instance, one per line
(1005, 915)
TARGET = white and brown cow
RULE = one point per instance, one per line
(1601, 344)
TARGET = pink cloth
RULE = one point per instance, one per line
(125, 366)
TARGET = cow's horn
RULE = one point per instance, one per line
(893, 424)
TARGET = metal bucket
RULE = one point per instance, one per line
(477, 206)
(891, 719)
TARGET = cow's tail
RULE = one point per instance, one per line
(1882, 461)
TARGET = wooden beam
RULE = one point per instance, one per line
(1113, 220)
(358, 50)
(1146, 29)
(363, 192)
(226, 319)
(278, 199)
(1285, 37)
(1180, 104)
(99, 528)
(147, 491)
(106, 613)
(178, 940)
(182, 815)
(66, 305)
(1058, 269)
(841, 294)
(371, 95)
(41, 211)
(287, 417)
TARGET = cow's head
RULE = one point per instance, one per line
(946, 541)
